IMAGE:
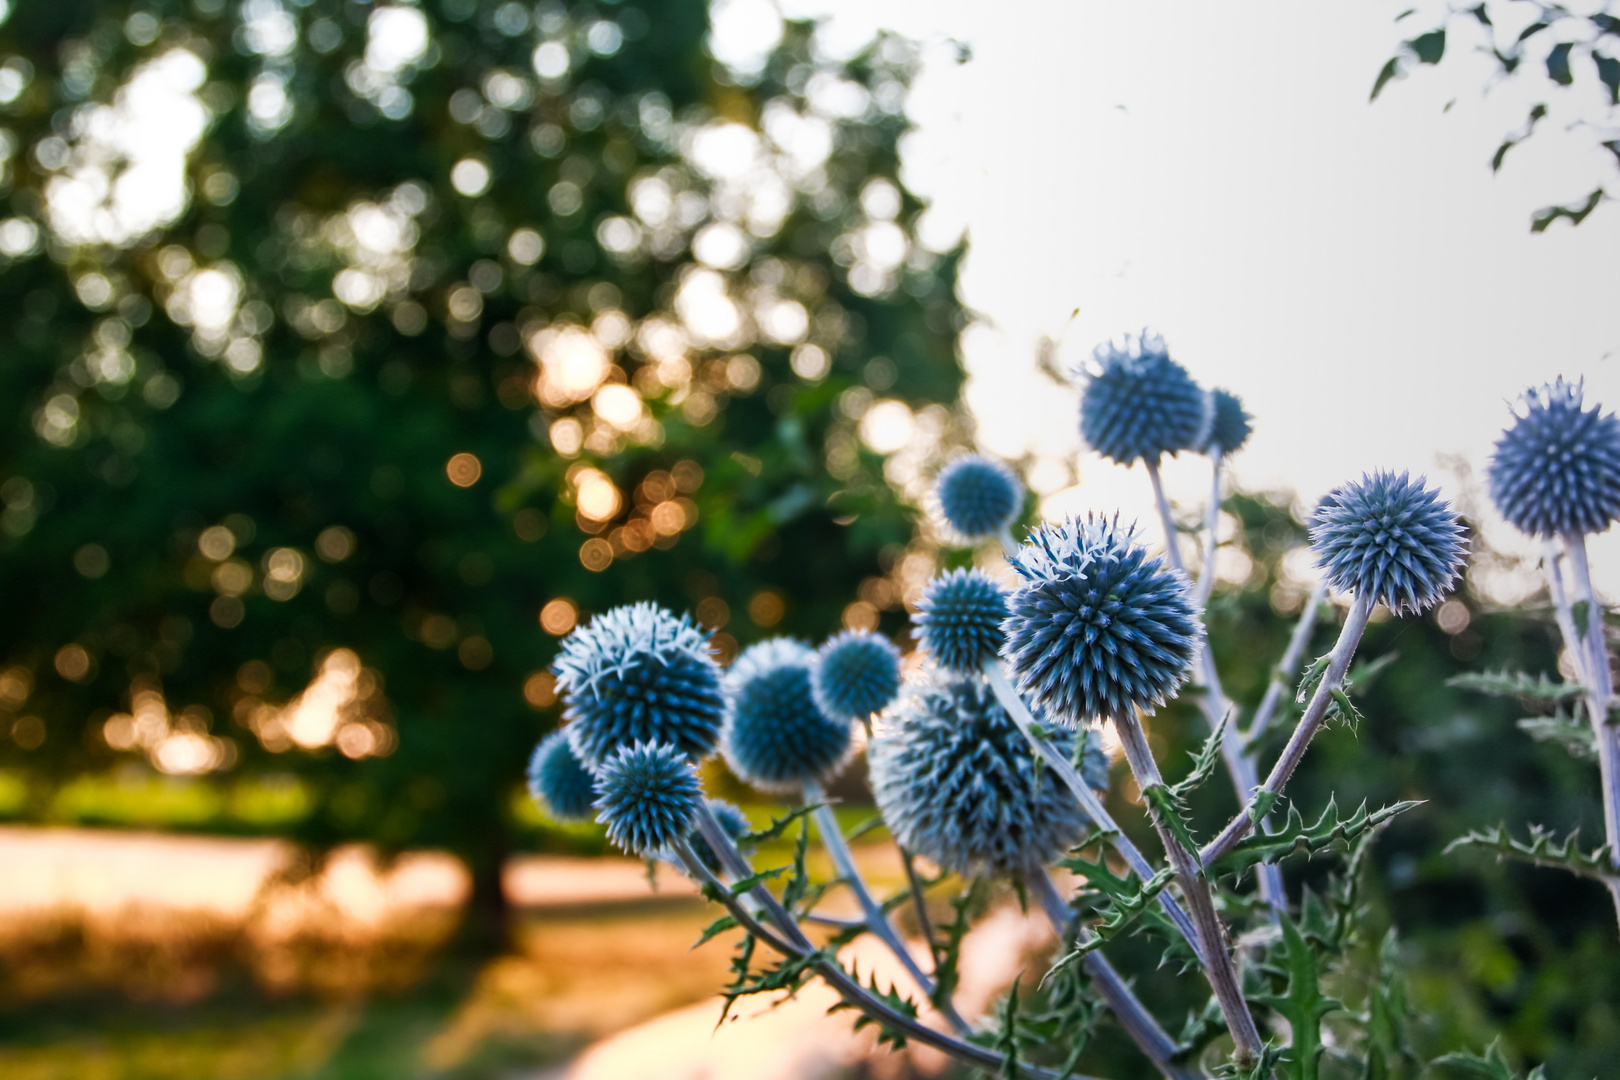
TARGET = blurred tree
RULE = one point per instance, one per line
(352, 342)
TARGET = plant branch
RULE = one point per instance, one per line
(1212, 521)
(832, 838)
(1260, 803)
(1089, 803)
(1245, 775)
(1599, 685)
(1128, 1009)
(850, 990)
(1218, 966)
(1282, 676)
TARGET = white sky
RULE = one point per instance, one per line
(1354, 271)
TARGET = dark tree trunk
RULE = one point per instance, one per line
(487, 923)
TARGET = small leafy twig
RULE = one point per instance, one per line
(1297, 838)
(1543, 848)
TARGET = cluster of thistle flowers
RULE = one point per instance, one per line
(1096, 629)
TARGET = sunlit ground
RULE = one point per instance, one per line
(128, 955)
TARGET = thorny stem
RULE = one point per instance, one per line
(1599, 685)
(1089, 803)
(1282, 676)
(919, 902)
(1212, 521)
(1245, 775)
(1315, 715)
(848, 988)
(832, 838)
(1218, 966)
(1138, 1023)
(1562, 611)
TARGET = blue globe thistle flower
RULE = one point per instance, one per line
(857, 674)
(776, 736)
(1230, 424)
(732, 820)
(959, 618)
(1140, 404)
(639, 674)
(977, 497)
(956, 781)
(647, 795)
(1557, 469)
(1391, 539)
(558, 782)
(1098, 627)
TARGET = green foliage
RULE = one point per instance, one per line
(1120, 900)
(1517, 684)
(948, 967)
(888, 1034)
(1542, 849)
(1574, 735)
(1297, 838)
(313, 427)
(1302, 1003)
(1576, 56)
(1204, 763)
(1492, 1065)
(1170, 814)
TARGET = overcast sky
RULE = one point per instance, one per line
(1353, 270)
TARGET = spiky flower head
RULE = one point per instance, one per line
(647, 795)
(1557, 469)
(639, 674)
(558, 782)
(857, 674)
(732, 821)
(1229, 427)
(977, 497)
(776, 737)
(1137, 403)
(957, 782)
(1389, 538)
(1098, 626)
(959, 618)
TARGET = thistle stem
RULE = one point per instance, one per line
(1218, 966)
(1562, 611)
(1127, 1008)
(1212, 521)
(1283, 674)
(1599, 685)
(832, 838)
(1089, 803)
(1315, 715)
(919, 903)
(848, 988)
(1245, 775)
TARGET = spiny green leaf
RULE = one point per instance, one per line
(1363, 672)
(1343, 710)
(1167, 812)
(891, 997)
(948, 972)
(1573, 735)
(1126, 898)
(1388, 1014)
(1312, 678)
(751, 880)
(1264, 802)
(1007, 1034)
(777, 827)
(1303, 1005)
(1516, 684)
(799, 884)
(719, 926)
(1297, 838)
(1492, 1065)
(1542, 849)
(1204, 762)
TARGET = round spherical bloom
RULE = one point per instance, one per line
(857, 674)
(959, 618)
(639, 674)
(1391, 539)
(647, 795)
(977, 497)
(1557, 469)
(1098, 626)
(776, 737)
(1137, 403)
(557, 780)
(957, 782)
(735, 825)
(1230, 427)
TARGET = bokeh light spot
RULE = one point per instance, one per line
(464, 470)
(558, 616)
